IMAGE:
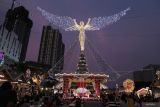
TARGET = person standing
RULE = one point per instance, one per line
(8, 97)
(130, 101)
(78, 102)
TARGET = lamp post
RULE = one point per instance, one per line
(117, 92)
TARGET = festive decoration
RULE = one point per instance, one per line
(81, 92)
(70, 24)
(82, 75)
(82, 64)
(74, 81)
(85, 80)
(65, 85)
(36, 80)
(128, 85)
(144, 92)
(101, 22)
(97, 86)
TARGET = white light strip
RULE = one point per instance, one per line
(2, 76)
(3, 80)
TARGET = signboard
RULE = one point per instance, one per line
(128, 85)
(1, 58)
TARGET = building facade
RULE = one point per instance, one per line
(23, 28)
(14, 34)
(146, 76)
(51, 50)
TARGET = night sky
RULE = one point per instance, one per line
(126, 45)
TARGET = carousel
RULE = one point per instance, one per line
(82, 83)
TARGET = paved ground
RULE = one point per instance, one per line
(99, 104)
(92, 104)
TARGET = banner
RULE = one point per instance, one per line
(1, 58)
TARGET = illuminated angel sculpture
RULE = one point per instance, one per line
(69, 24)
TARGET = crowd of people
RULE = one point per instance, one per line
(125, 99)
(9, 97)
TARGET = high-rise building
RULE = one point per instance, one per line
(22, 28)
(14, 34)
(51, 50)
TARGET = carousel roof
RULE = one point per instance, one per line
(81, 75)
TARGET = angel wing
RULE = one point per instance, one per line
(97, 23)
(63, 22)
